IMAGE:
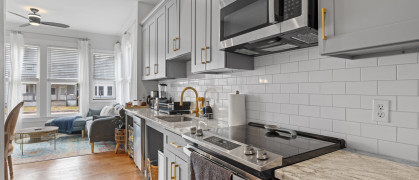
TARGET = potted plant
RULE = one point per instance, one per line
(120, 134)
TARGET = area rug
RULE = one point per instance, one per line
(67, 146)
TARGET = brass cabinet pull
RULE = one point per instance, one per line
(175, 145)
(323, 17)
(202, 49)
(206, 57)
(156, 66)
(174, 177)
(171, 170)
(147, 67)
(174, 44)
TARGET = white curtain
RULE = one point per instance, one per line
(129, 69)
(84, 54)
(118, 74)
(15, 87)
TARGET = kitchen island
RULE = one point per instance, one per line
(346, 165)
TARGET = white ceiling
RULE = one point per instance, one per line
(96, 16)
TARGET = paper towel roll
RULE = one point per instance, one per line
(236, 109)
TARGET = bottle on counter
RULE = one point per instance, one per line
(208, 111)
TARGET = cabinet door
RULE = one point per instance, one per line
(170, 160)
(199, 35)
(172, 17)
(357, 26)
(216, 57)
(185, 13)
(146, 53)
(162, 167)
(160, 65)
(153, 48)
(182, 172)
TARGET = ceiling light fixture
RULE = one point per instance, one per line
(34, 23)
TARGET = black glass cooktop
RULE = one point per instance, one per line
(273, 142)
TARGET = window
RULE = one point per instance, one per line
(63, 74)
(103, 76)
(30, 77)
(66, 100)
(63, 63)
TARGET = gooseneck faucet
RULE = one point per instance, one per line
(196, 110)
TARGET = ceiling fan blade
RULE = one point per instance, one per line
(18, 15)
(55, 24)
(24, 25)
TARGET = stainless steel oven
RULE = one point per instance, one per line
(259, 27)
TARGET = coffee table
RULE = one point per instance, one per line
(36, 135)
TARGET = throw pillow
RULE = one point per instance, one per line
(93, 112)
(107, 111)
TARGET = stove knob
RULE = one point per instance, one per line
(261, 154)
(248, 150)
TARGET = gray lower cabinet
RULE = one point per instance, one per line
(357, 27)
(176, 167)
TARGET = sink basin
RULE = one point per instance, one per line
(174, 118)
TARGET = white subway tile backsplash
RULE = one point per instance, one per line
(333, 113)
(311, 65)
(289, 67)
(347, 74)
(378, 73)
(398, 59)
(403, 88)
(399, 150)
(320, 76)
(333, 88)
(346, 127)
(309, 88)
(321, 100)
(408, 136)
(332, 63)
(299, 99)
(379, 132)
(362, 88)
(350, 101)
(408, 71)
(321, 123)
(362, 143)
(304, 91)
(361, 62)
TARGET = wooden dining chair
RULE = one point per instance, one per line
(9, 131)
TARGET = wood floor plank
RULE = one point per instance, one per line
(108, 166)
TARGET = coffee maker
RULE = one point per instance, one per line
(151, 98)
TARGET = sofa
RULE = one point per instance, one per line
(102, 128)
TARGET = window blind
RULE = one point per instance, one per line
(103, 67)
(29, 64)
(63, 63)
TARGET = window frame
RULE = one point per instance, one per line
(49, 82)
(95, 82)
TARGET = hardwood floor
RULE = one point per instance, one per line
(103, 166)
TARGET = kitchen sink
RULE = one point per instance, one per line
(174, 118)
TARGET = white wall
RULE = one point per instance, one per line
(304, 91)
(2, 20)
(46, 36)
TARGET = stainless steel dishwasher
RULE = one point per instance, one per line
(139, 142)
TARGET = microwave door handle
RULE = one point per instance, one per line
(271, 10)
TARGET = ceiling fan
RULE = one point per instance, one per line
(35, 20)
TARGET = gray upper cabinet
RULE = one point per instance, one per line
(178, 18)
(206, 56)
(357, 27)
(160, 64)
(146, 52)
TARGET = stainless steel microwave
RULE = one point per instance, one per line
(260, 27)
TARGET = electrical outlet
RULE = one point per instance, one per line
(380, 111)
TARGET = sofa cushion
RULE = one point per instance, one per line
(93, 112)
(79, 122)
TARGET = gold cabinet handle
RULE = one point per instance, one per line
(174, 177)
(156, 66)
(175, 145)
(174, 44)
(202, 49)
(147, 67)
(171, 170)
(323, 17)
(206, 57)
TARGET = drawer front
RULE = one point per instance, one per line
(174, 142)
